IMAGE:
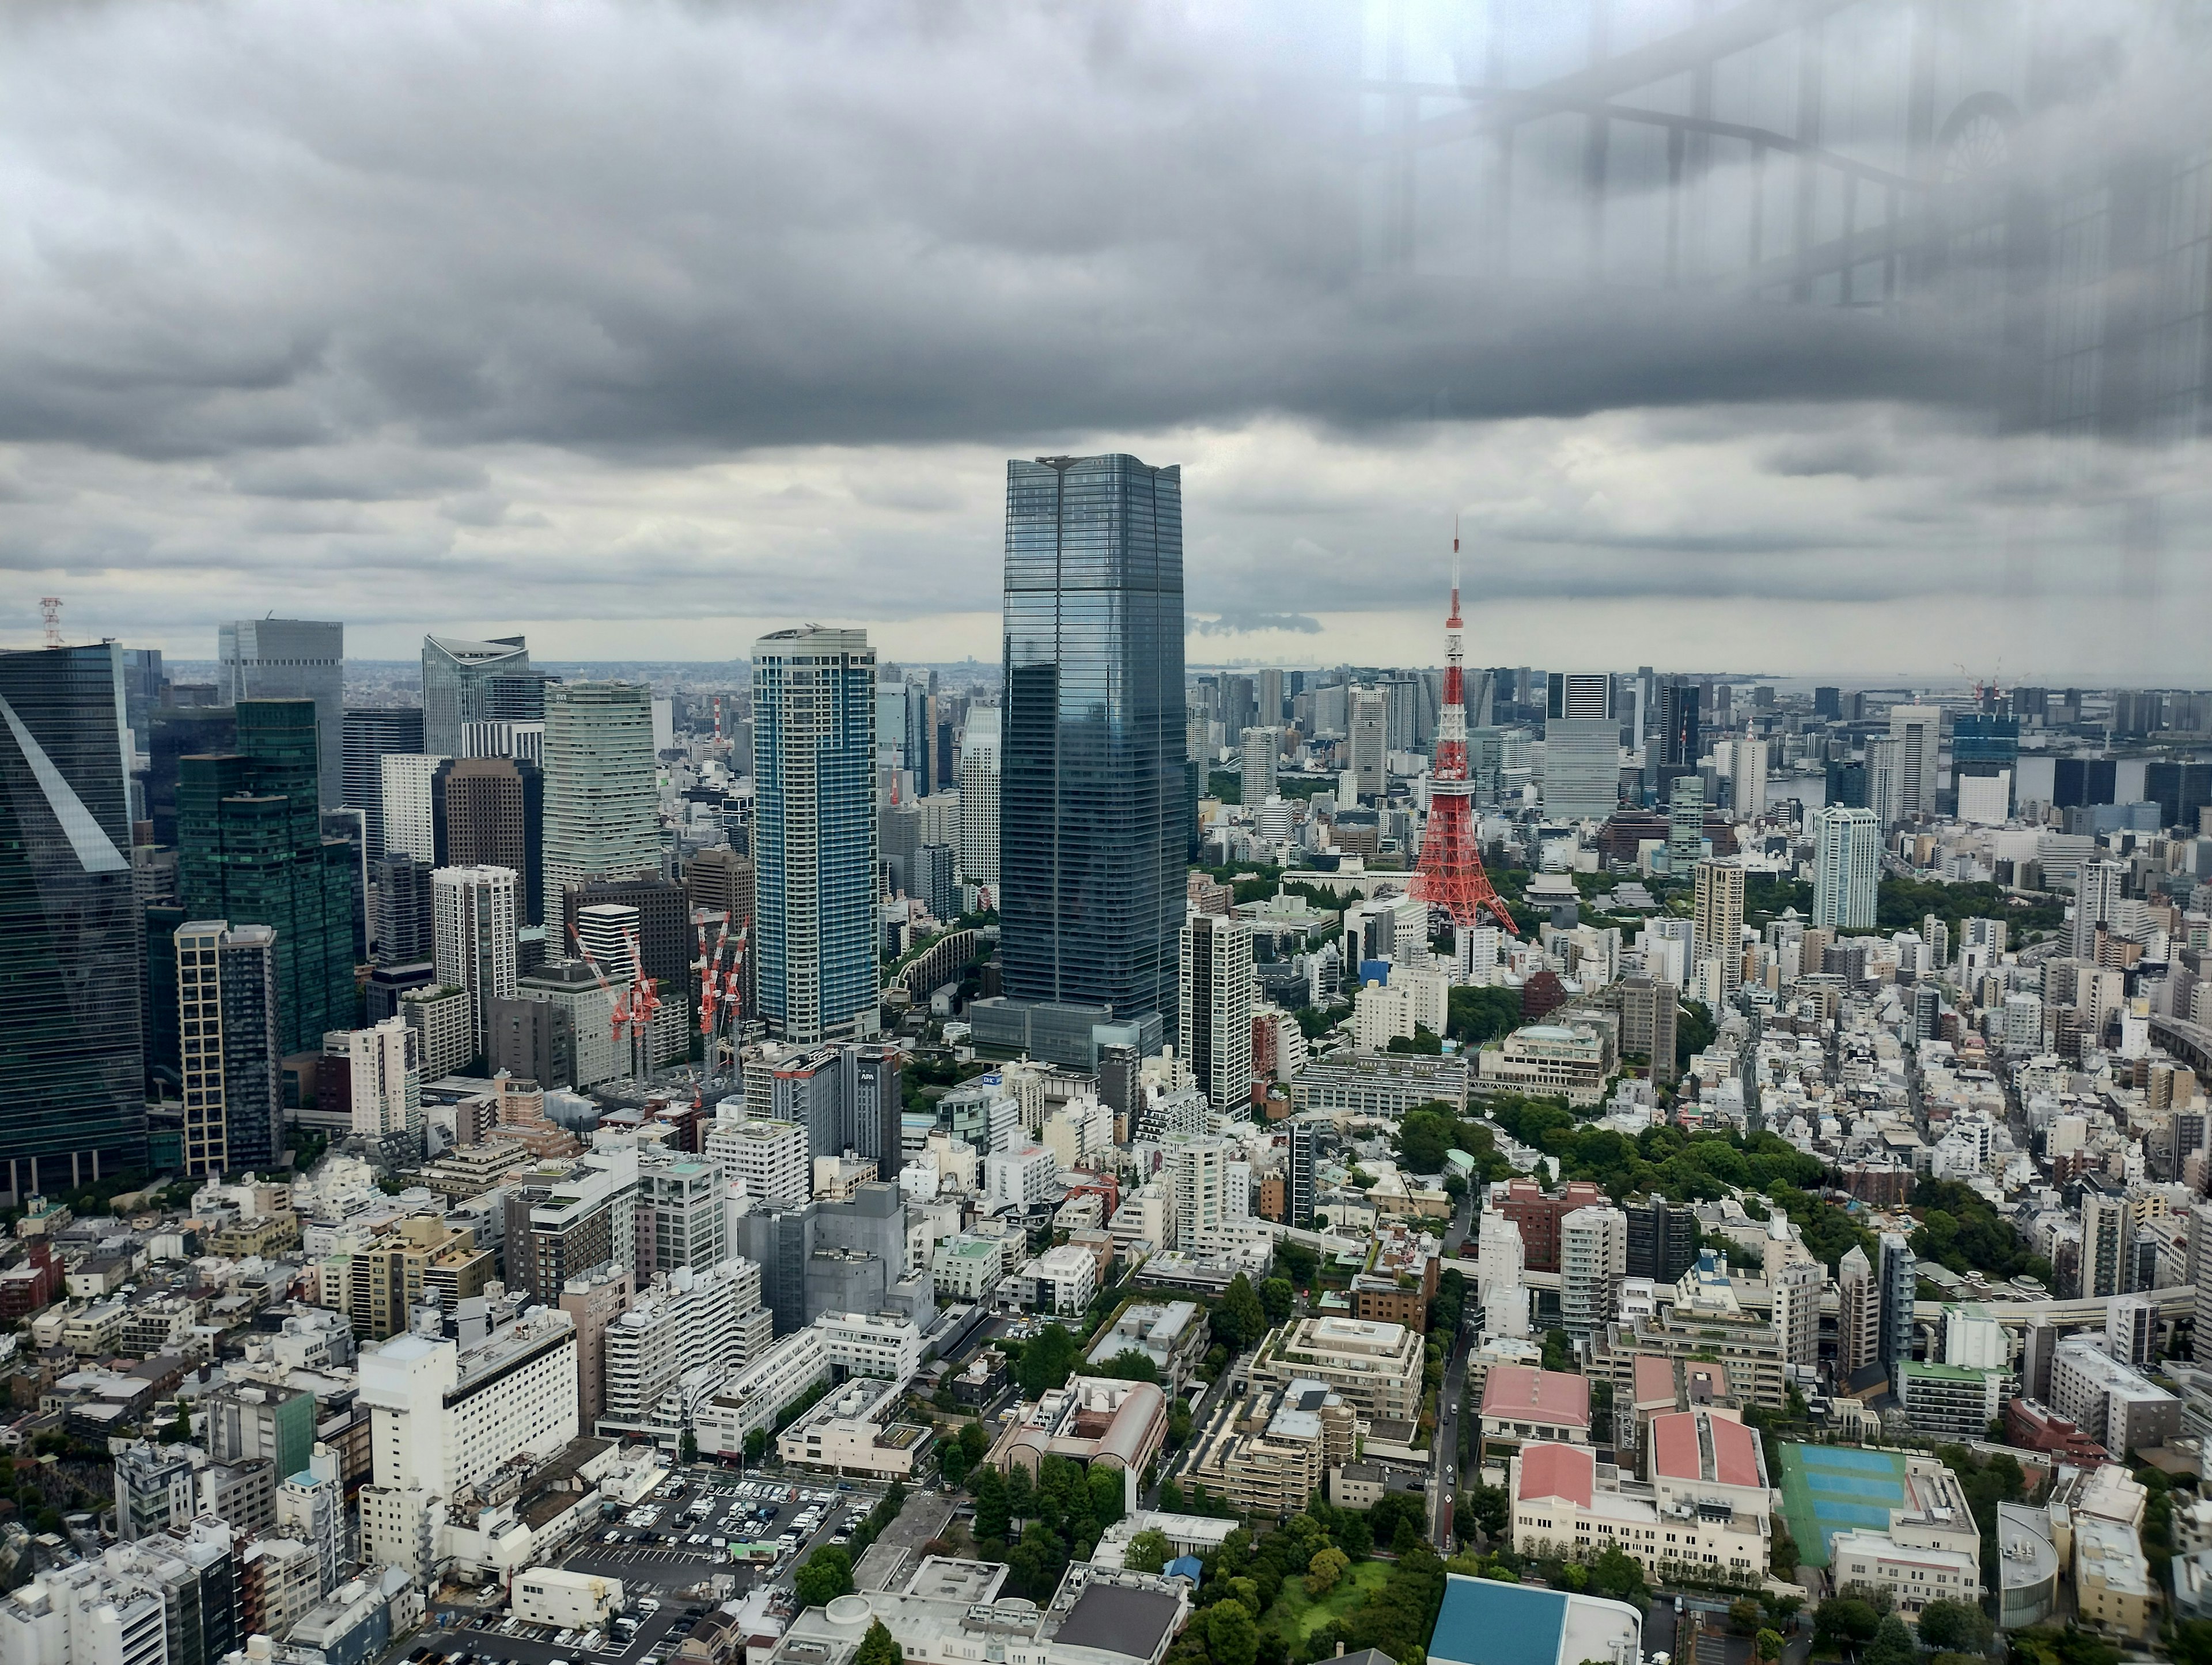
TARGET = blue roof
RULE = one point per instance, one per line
(1185, 1566)
(1484, 1622)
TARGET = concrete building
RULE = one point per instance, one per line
(475, 912)
(1101, 1422)
(1375, 1367)
(967, 1265)
(1593, 1260)
(769, 1158)
(752, 1399)
(2111, 1402)
(1281, 1449)
(1716, 930)
(854, 1432)
(1520, 1404)
(1059, 1280)
(1572, 1060)
(1846, 868)
(230, 1049)
(885, 1347)
(572, 1601)
(291, 658)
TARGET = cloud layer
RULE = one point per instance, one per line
(701, 317)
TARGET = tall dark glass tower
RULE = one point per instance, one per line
(72, 1107)
(1091, 844)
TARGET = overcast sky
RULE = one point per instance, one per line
(645, 327)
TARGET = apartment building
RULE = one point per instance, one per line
(1375, 1367)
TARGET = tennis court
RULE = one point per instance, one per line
(1827, 1489)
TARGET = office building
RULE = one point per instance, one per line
(251, 850)
(1648, 1013)
(1918, 732)
(979, 796)
(371, 732)
(769, 1158)
(1299, 1165)
(1681, 740)
(403, 919)
(2099, 889)
(411, 784)
(1846, 868)
(1686, 821)
(1092, 837)
(292, 658)
(232, 1067)
(463, 683)
(1368, 743)
(475, 940)
(586, 1010)
(1582, 748)
(2111, 1402)
(1717, 932)
(1899, 1281)
(173, 733)
(814, 833)
(1214, 1026)
(602, 815)
(72, 1103)
(494, 816)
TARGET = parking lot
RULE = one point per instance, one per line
(691, 1529)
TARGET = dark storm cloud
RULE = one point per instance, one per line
(672, 231)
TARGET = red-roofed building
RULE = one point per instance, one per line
(1698, 1517)
(1520, 1402)
(2036, 1428)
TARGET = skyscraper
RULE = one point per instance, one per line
(494, 810)
(979, 796)
(1716, 931)
(72, 1103)
(1846, 868)
(292, 658)
(251, 849)
(370, 733)
(1368, 714)
(1582, 748)
(1262, 752)
(2099, 888)
(1918, 732)
(602, 797)
(233, 1065)
(457, 678)
(814, 834)
(1859, 1315)
(1679, 738)
(1685, 820)
(1300, 1165)
(1092, 837)
(401, 924)
(1215, 1030)
(1748, 778)
(475, 910)
(1900, 1277)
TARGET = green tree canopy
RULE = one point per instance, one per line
(879, 1647)
(1956, 1627)
(1239, 1319)
(1278, 1298)
(1148, 1552)
(1893, 1645)
(1048, 1358)
(824, 1577)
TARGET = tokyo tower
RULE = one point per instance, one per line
(1451, 875)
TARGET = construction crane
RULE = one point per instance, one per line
(630, 1008)
(50, 610)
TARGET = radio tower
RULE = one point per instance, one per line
(1451, 876)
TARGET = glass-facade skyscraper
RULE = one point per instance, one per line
(463, 681)
(1092, 848)
(814, 833)
(251, 850)
(292, 658)
(72, 1104)
(602, 815)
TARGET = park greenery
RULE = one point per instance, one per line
(1960, 1230)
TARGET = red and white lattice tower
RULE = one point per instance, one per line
(1450, 877)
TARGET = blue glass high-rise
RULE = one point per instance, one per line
(1092, 850)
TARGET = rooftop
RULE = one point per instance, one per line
(1554, 1396)
(1484, 1622)
(1698, 1445)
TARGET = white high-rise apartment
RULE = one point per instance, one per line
(768, 1157)
(687, 1318)
(387, 1080)
(979, 796)
(1918, 732)
(1859, 1315)
(1593, 1259)
(1797, 1286)
(409, 811)
(1881, 779)
(1846, 868)
(1748, 778)
(2099, 887)
(602, 796)
(1213, 1027)
(1262, 749)
(474, 913)
(231, 1058)
(1194, 1183)
(1717, 928)
(1501, 1259)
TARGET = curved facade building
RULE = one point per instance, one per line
(1092, 843)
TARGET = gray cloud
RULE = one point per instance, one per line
(660, 310)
